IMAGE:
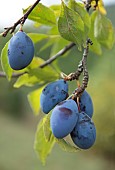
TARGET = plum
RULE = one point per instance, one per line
(84, 133)
(86, 104)
(20, 51)
(63, 118)
(52, 94)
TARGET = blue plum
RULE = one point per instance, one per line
(63, 118)
(84, 133)
(52, 94)
(20, 51)
(86, 104)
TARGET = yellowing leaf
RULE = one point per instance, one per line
(26, 80)
(56, 9)
(35, 74)
(46, 127)
(36, 62)
(34, 100)
(100, 6)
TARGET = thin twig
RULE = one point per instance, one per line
(77, 93)
(60, 53)
(14, 75)
(20, 21)
(80, 90)
(47, 62)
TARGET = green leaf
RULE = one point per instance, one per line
(66, 146)
(104, 31)
(42, 14)
(96, 47)
(79, 8)
(4, 62)
(71, 26)
(34, 100)
(41, 146)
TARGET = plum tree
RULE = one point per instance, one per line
(84, 133)
(52, 94)
(72, 24)
(63, 118)
(20, 51)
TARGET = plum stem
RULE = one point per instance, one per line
(80, 89)
(20, 21)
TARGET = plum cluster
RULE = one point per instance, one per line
(69, 116)
(20, 51)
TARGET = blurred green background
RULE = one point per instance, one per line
(18, 124)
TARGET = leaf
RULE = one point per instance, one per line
(46, 74)
(41, 146)
(36, 62)
(79, 8)
(56, 9)
(26, 80)
(42, 14)
(100, 6)
(54, 31)
(49, 43)
(36, 74)
(34, 100)
(71, 26)
(46, 126)
(4, 62)
(96, 47)
(66, 146)
(103, 30)
(37, 37)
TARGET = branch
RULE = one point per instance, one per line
(20, 21)
(60, 53)
(77, 93)
(80, 90)
(15, 75)
(47, 62)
